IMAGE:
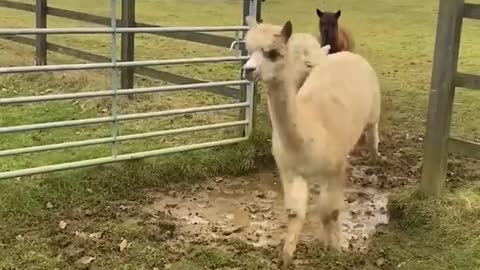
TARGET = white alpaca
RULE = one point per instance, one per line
(304, 48)
(314, 129)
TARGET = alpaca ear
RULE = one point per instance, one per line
(338, 13)
(251, 21)
(287, 30)
(326, 49)
(319, 13)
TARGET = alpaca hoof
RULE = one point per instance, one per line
(334, 241)
(285, 258)
(375, 158)
(336, 247)
(285, 261)
(356, 152)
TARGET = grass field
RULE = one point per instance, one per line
(396, 36)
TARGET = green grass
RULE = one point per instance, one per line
(396, 36)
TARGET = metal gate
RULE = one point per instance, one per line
(250, 7)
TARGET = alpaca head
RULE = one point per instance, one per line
(267, 45)
(328, 22)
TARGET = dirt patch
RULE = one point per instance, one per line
(251, 209)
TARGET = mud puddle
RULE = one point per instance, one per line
(251, 209)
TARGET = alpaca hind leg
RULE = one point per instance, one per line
(296, 198)
(359, 146)
(372, 141)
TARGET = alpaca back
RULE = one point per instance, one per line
(345, 39)
(305, 52)
(343, 96)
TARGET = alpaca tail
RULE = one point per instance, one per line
(346, 38)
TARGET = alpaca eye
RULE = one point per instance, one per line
(272, 54)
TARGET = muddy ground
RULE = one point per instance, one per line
(250, 208)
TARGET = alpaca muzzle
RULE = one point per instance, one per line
(250, 73)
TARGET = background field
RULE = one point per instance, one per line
(396, 36)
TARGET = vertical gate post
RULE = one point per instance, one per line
(250, 8)
(259, 10)
(447, 44)
(41, 9)
(256, 93)
(128, 44)
(114, 76)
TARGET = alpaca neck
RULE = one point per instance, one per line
(330, 37)
(283, 111)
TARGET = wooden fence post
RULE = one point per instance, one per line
(128, 44)
(447, 43)
(41, 10)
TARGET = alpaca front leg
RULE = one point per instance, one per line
(373, 140)
(330, 205)
(296, 198)
(332, 229)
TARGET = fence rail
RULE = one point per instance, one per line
(213, 40)
(142, 71)
(99, 30)
(127, 22)
(445, 78)
(60, 146)
(464, 147)
(472, 11)
(469, 81)
(119, 158)
(109, 119)
(144, 90)
(246, 91)
(25, 69)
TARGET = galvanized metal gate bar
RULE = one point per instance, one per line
(110, 119)
(199, 60)
(125, 157)
(114, 92)
(110, 30)
(107, 93)
(49, 147)
(114, 81)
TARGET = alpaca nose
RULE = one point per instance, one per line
(249, 70)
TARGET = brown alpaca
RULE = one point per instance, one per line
(338, 37)
(314, 127)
